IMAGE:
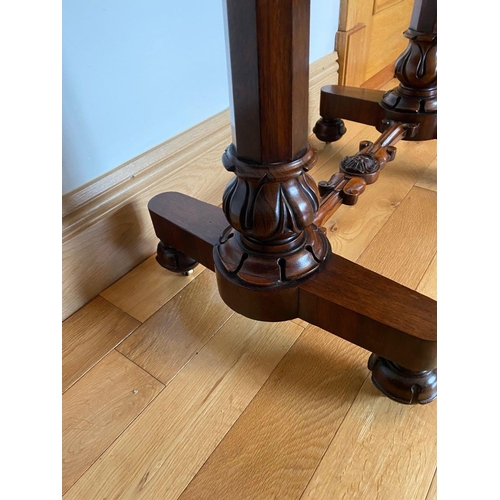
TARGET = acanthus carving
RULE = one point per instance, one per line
(271, 208)
(416, 69)
(270, 203)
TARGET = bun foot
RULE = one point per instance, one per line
(173, 260)
(402, 385)
(329, 130)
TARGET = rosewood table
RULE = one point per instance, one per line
(267, 245)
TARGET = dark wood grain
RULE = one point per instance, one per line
(190, 226)
(373, 312)
(269, 66)
(351, 103)
(344, 298)
(272, 201)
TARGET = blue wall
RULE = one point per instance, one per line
(138, 73)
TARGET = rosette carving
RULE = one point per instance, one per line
(373, 156)
(359, 164)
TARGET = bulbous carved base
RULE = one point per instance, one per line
(409, 100)
(416, 70)
(173, 260)
(402, 385)
(266, 286)
(260, 265)
(329, 130)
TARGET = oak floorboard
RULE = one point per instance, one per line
(98, 407)
(275, 446)
(161, 451)
(89, 334)
(428, 283)
(383, 451)
(300, 322)
(352, 228)
(405, 246)
(428, 179)
(432, 493)
(142, 291)
(175, 333)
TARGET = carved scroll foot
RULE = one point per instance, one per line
(173, 260)
(329, 130)
(402, 385)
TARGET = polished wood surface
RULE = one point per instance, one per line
(188, 225)
(98, 408)
(272, 201)
(269, 100)
(341, 298)
(400, 326)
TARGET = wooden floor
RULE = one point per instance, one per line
(169, 394)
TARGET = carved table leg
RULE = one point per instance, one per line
(272, 201)
(414, 101)
(271, 259)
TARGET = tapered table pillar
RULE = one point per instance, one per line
(272, 201)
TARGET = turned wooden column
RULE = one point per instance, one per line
(272, 202)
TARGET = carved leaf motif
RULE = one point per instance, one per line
(416, 66)
(267, 210)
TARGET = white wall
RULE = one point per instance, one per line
(138, 73)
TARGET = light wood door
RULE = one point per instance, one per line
(370, 37)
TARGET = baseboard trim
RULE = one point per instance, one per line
(106, 229)
(381, 78)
